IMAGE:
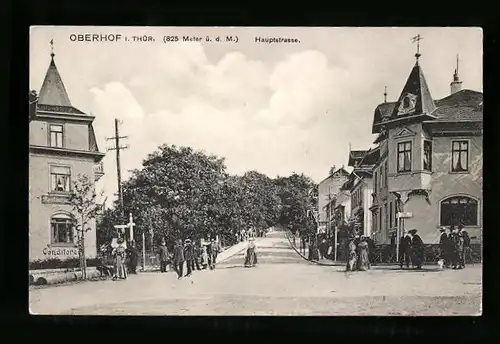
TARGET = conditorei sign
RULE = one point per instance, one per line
(60, 251)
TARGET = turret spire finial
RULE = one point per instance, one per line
(385, 94)
(52, 48)
(417, 39)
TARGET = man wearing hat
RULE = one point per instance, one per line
(417, 248)
(466, 244)
(445, 247)
(405, 250)
(178, 258)
(163, 253)
(189, 256)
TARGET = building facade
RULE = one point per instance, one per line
(328, 189)
(360, 187)
(62, 146)
(430, 166)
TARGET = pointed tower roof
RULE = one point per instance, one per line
(53, 91)
(415, 99)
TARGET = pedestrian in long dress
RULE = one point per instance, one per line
(204, 257)
(364, 262)
(417, 248)
(251, 254)
(466, 250)
(352, 258)
(458, 248)
(178, 258)
(119, 254)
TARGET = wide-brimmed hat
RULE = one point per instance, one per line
(412, 231)
(442, 229)
(187, 241)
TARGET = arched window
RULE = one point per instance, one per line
(62, 229)
(459, 210)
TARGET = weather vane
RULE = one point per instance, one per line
(417, 39)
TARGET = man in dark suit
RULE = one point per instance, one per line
(445, 247)
(178, 258)
(163, 253)
(405, 251)
(417, 249)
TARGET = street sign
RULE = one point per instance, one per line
(121, 226)
(404, 215)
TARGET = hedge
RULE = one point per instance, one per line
(386, 254)
(55, 263)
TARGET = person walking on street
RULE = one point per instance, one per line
(133, 257)
(119, 253)
(417, 249)
(466, 251)
(189, 256)
(197, 256)
(210, 255)
(163, 253)
(178, 258)
(444, 248)
(405, 251)
(458, 248)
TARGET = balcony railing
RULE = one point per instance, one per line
(98, 171)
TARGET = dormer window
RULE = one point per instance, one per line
(407, 104)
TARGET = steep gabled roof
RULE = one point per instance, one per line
(416, 94)
(355, 156)
(371, 157)
(53, 91)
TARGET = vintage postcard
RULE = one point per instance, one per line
(255, 171)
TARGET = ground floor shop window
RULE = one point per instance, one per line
(459, 210)
(62, 227)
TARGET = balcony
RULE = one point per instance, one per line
(98, 171)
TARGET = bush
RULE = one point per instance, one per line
(56, 263)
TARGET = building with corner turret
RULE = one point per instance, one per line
(62, 145)
(431, 159)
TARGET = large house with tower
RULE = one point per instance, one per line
(62, 145)
(429, 169)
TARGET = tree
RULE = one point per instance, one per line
(84, 207)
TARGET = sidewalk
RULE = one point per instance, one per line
(233, 250)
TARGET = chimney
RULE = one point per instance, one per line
(456, 84)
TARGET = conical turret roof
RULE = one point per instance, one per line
(53, 91)
(415, 99)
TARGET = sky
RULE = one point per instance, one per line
(275, 108)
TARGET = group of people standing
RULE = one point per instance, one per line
(358, 259)
(454, 246)
(125, 259)
(195, 256)
(411, 250)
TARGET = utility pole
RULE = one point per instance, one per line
(118, 148)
